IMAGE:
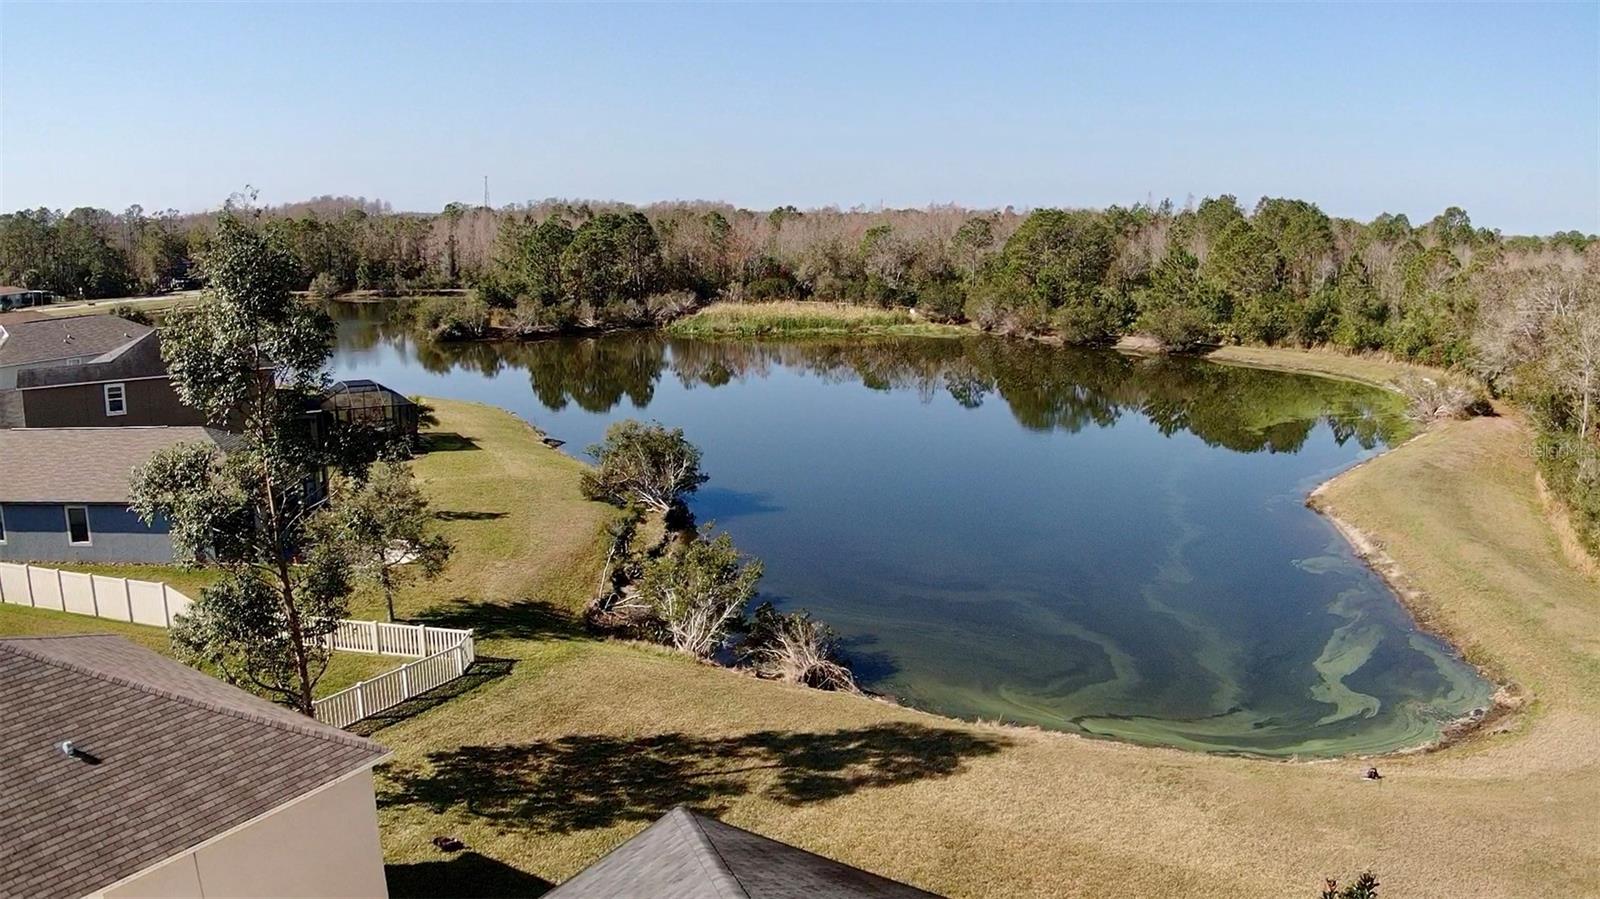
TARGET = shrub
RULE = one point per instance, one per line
(453, 318)
(1262, 318)
(1096, 319)
(132, 314)
(797, 649)
(942, 301)
(1364, 886)
(325, 286)
(1431, 399)
(699, 593)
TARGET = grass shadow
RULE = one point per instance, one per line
(592, 781)
(447, 442)
(464, 875)
(484, 670)
(524, 619)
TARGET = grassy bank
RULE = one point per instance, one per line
(574, 744)
(809, 319)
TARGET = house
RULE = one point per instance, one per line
(687, 855)
(22, 298)
(127, 386)
(64, 492)
(128, 774)
(68, 340)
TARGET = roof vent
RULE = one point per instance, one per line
(71, 751)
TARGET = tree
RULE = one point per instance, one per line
(252, 355)
(698, 594)
(1179, 308)
(643, 463)
(1243, 261)
(1575, 361)
(384, 525)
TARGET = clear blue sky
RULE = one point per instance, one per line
(1361, 108)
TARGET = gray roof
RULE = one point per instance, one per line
(173, 758)
(47, 339)
(86, 465)
(140, 358)
(686, 855)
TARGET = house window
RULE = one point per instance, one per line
(78, 526)
(2, 526)
(116, 399)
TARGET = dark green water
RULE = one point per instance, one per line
(1079, 540)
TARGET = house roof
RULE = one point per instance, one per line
(686, 855)
(87, 465)
(140, 358)
(68, 337)
(17, 317)
(170, 758)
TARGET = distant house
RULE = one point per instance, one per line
(29, 343)
(23, 298)
(64, 492)
(128, 774)
(127, 386)
(686, 855)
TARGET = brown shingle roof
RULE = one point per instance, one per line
(177, 758)
(140, 358)
(86, 465)
(686, 855)
(69, 337)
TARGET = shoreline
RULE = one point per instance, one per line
(1509, 697)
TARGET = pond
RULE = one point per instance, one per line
(1080, 540)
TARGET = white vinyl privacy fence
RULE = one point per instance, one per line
(441, 654)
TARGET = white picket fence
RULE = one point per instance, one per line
(441, 654)
(387, 690)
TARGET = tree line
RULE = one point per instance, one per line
(1518, 312)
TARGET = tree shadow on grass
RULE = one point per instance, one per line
(450, 515)
(591, 781)
(467, 874)
(447, 442)
(484, 670)
(524, 619)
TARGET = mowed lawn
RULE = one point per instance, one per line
(568, 744)
(345, 669)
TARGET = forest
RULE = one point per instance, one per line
(1520, 314)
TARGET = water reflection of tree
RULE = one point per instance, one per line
(1045, 388)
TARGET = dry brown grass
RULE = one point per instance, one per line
(546, 768)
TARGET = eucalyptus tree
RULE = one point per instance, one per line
(251, 356)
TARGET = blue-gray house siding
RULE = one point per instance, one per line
(37, 532)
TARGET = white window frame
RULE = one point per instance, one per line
(87, 530)
(122, 398)
(2, 526)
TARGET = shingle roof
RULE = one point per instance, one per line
(686, 855)
(177, 758)
(141, 358)
(68, 337)
(86, 465)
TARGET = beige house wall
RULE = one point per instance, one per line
(323, 844)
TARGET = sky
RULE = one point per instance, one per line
(1361, 108)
